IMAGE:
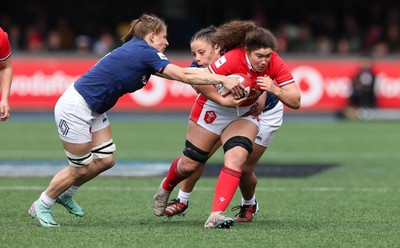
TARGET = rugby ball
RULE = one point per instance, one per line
(243, 79)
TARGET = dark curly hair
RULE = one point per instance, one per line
(238, 33)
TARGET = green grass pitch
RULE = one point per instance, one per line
(355, 204)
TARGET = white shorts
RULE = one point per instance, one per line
(75, 120)
(215, 118)
(270, 122)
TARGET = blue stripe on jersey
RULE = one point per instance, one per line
(126, 69)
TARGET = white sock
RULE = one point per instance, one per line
(252, 201)
(46, 201)
(71, 190)
(184, 197)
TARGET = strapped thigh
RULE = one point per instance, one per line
(104, 150)
(79, 160)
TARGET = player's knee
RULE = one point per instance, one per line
(79, 172)
(248, 175)
(188, 166)
(79, 160)
(105, 163)
(194, 153)
(241, 141)
(246, 172)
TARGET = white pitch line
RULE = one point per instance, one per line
(265, 189)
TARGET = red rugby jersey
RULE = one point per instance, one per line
(5, 48)
(236, 61)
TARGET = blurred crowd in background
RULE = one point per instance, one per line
(320, 28)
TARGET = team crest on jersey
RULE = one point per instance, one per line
(210, 117)
(220, 61)
(162, 56)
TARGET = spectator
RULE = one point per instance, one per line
(54, 41)
(343, 47)
(393, 37)
(104, 45)
(363, 88)
(323, 45)
(34, 40)
(82, 43)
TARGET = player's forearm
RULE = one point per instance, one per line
(191, 75)
(5, 82)
(289, 98)
(202, 78)
(211, 93)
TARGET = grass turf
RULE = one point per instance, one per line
(352, 205)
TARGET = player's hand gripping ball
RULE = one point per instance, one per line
(243, 79)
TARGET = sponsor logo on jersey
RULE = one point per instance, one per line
(162, 56)
(220, 61)
(63, 127)
(144, 79)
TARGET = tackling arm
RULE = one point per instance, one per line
(194, 77)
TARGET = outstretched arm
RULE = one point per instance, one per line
(194, 77)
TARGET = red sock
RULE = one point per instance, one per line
(173, 177)
(227, 184)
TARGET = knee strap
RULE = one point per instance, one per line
(238, 141)
(104, 150)
(194, 153)
(79, 160)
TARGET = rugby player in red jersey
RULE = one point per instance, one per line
(250, 50)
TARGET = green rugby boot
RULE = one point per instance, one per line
(71, 206)
(42, 215)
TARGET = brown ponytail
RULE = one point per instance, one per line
(143, 26)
